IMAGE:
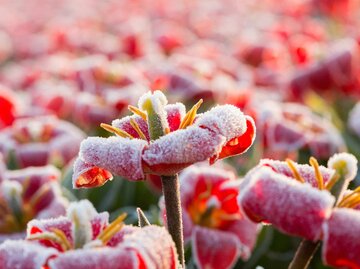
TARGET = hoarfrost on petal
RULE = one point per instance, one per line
(341, 239)
(120, 156)
(306, 171)
(293, 207)
(157, 98)
(105, 257)
(155, 246)
(175, 113)
(81, 213)
(124, 124)
(190, 145)
(226, 120)
(24, 255)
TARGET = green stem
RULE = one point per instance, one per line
(304, 254)
(171, 191)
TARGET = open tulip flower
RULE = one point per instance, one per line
(218, 230)
(162, 139)
(292, 197)
(26, 194)
(85, 239)
(41, 140)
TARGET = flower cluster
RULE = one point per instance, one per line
(215, 225)
(38, 141)
(86, 239)
(26, 194)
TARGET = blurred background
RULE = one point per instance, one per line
(292, 65)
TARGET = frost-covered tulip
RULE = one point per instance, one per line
(26, 194)
(218, 230)
(38, 141)
(85, 239)
(340, 232)
(162, 139)
(291, 127)
(292, 197)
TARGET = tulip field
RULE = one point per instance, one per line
(198, 134)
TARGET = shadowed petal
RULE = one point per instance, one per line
(87, 176)
(214, 249)
(246, 231)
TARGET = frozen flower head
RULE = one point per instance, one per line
(214, 224)
(38, 141)
(291, 127)
(26, 194)
(294, 198)
(85, 239)
(162, 139)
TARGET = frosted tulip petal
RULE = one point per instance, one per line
(95, 258)
(119, 156)
(225, 120)
(293, 207)
(214, 249)
(24, 255)
(87, 175)
(341, 239)
(173, 152)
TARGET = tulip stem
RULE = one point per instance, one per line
(171, 191)
(304, 254)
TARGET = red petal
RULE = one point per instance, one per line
(238, 145)
(7, 108)
(35, 154)
(88, 176)
(341, 239)
(124, 124)
(175, 113)
(214, 249)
